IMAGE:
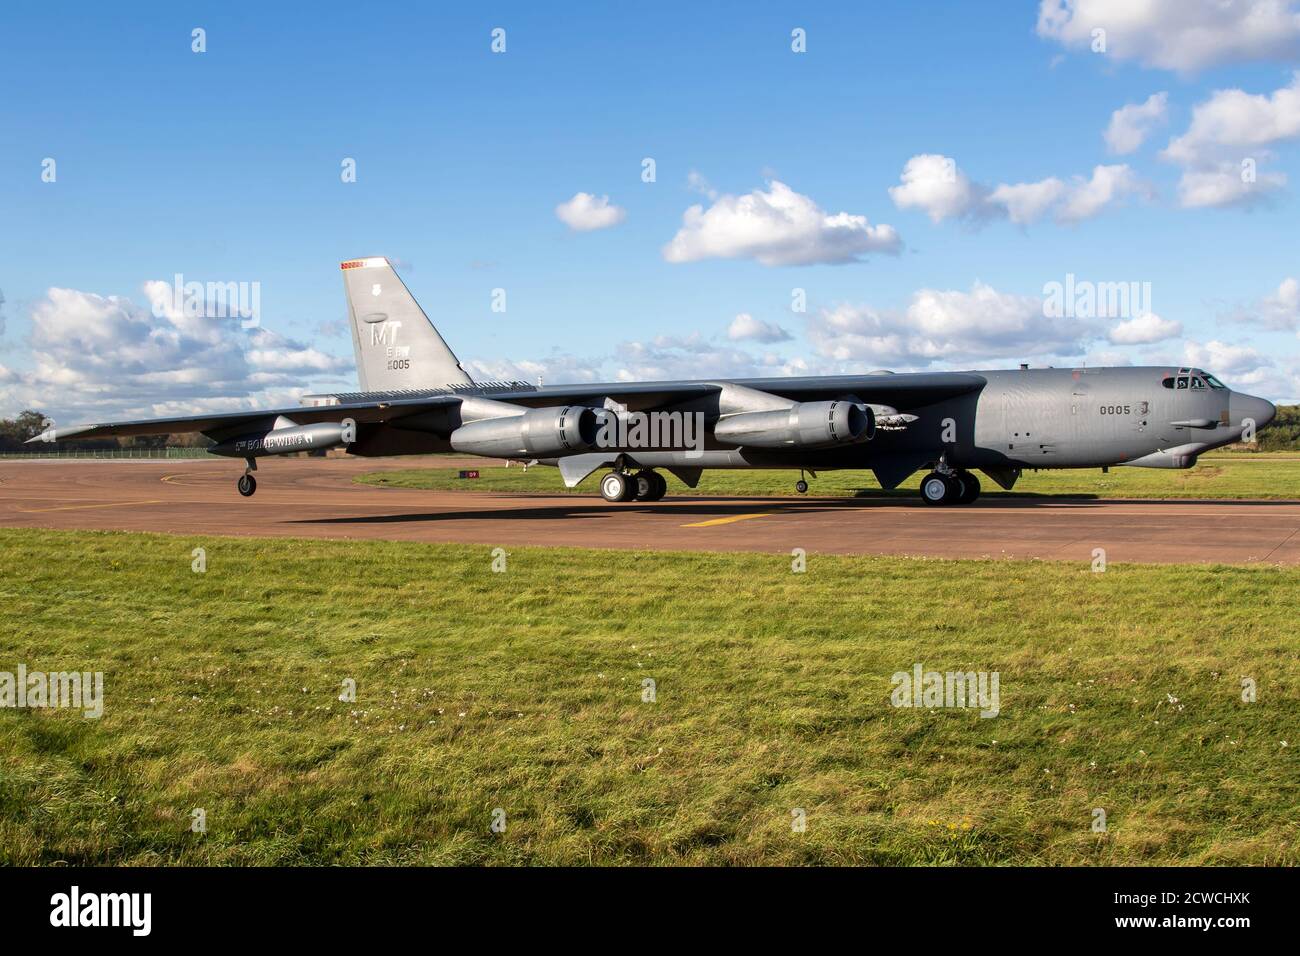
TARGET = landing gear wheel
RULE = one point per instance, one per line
(650, 485)
(617, 486)
(801, 486)
(661, 487)
(970, 488)
(247, 484)
(643, 485)
(937, 489)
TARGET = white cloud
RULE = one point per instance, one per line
(1229, 137)
(947, 326)
(696, 183)
(97, 357)
(1088, 197)
(1028, 202)
(1279, 311)
(745, 326)
(779, 227)
(1144, 330)
(555, 369)
(1222, 358)
(1225, 185)
(1131, 124)
(932, 183)
(1283, 307)
(1182, 35)
(585, 212)
(1232, 122)
(668, 358)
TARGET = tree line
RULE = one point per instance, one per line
(14, 432)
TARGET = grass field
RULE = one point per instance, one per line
(522, 691)
(1226, 475)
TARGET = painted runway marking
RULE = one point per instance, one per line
(113, 504)
(715, 521)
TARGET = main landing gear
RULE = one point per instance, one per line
(247, 484)
(949, 488)
(645, 485)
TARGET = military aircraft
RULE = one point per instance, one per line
(416, 399)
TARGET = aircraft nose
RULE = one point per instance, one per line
(1242, 407)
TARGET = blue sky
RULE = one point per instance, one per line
(225, 166)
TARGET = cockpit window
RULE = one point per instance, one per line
(1192, 381)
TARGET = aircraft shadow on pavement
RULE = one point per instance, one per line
(704, 508)
(593, 510)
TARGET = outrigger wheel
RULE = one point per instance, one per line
(801, 486)
(247, 484)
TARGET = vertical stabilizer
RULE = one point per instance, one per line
(396, 345)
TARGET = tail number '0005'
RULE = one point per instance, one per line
(399, 363)
(1117, 409)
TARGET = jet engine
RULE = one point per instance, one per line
(537, 433)
(802, 425)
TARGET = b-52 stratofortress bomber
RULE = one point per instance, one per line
(415, 399)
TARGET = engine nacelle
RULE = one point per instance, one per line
(537, 433)
(803, 425)
(285, 441)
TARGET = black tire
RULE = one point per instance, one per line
(643, 483)
(660, 486)
(617, 486)
(970, 488)
(247, 485)
(936, 489)
(801, 486)
(957, 484)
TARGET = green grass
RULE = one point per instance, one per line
(1226, 475)
(522, 690)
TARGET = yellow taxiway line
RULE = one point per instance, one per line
(113, 504)
(716, 521)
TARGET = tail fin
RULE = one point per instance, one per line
(397, 346)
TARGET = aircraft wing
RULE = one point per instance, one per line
(375, 411)
(901, 391)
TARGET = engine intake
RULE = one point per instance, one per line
(802, 425)
(537, 433)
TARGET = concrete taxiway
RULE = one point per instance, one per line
(316, 498)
